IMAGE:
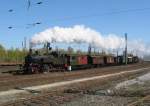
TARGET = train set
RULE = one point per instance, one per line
(52, 61)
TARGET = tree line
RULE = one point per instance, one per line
(11, 55)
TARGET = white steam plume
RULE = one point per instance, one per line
(138, 47)
(82, 34)
(78, 34)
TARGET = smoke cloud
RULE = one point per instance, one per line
(138, 47)
(82, 34)
(78, 34)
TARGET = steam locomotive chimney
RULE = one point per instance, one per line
(30, 51)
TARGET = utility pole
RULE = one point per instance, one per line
(22, 45)
(89, 49)
(126, 51)
(117, 57)
(25, 43)
(30, 45)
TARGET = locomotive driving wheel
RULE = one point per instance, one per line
(32, 70)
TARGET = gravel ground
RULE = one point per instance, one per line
(96, 100)
(126, 93)
(38, 89)
(91, 93)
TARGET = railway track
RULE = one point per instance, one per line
(10, 82)
(11, 64)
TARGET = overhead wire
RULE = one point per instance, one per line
(86, 16)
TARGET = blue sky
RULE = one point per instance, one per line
(67, 13)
